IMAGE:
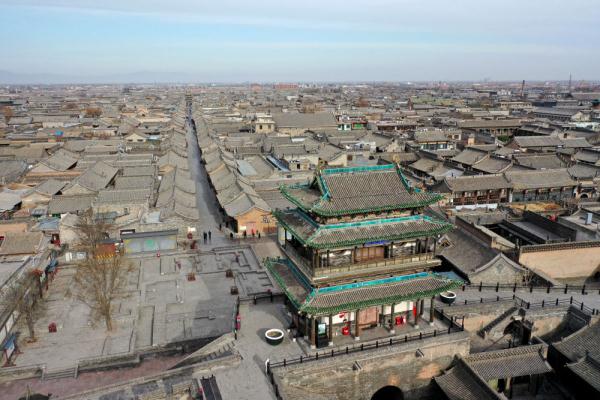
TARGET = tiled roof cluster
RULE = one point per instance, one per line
(467, 379)
(177, 190)
(96, 177)
(512, 179)
(235, 193)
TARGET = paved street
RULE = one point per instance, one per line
(208, 210)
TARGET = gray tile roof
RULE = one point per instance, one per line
(304, 120)
(484, 123)
(96, 177)
(134, 182)
(462, 383)
(62, 160)
(514, 362)
(477, 182)
(69, 204)
(492, 165)
(539, 161)
(21, 243)
(554, 178)
(470, 156)
(138, 196)
(146, 170)
(50, 187)
(537, 141)
(587, 369)
(586, 340)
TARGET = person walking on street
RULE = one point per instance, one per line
(231, 235)
(259, 234)
(209, 236)
(220, 225)
(204, 236)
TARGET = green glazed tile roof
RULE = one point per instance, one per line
(332, 300)
(346, 191)
(329, 236)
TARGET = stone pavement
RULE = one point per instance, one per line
(78, 336)
(248, 380)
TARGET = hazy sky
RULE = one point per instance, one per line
(291, 40)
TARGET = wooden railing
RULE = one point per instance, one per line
(406, 261)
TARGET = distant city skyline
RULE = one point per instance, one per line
(135, 41)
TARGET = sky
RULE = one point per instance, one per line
(301, 40)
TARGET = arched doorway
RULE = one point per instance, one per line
(388, 393)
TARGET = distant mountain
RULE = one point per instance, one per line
(12, 78)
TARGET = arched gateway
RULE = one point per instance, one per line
(388, 393)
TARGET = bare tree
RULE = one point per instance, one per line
(101, 278)
(99, 282)
(92, 232)
(21, 297)
(93, 112)
(8, 113)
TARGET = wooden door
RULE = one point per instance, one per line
(368, 316)
(364, 254)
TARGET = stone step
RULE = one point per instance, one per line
(59, 373)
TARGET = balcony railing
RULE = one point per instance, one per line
(400, 262)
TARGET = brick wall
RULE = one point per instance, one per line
(398, 366)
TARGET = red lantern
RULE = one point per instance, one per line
(342, 315)
(399, 320)
(415, 310)
(345, 331)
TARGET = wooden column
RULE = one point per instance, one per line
(422, 307)
(330, 329)
(392, 318)
(356, 325)
(431, 309)
(415, 315)
(313, 332)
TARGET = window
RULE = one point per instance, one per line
(260, 127)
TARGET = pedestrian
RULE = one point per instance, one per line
(231, 235)
(220, 225)
(259, 234)
(245, 234)
(209, 236)
(204, 236)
